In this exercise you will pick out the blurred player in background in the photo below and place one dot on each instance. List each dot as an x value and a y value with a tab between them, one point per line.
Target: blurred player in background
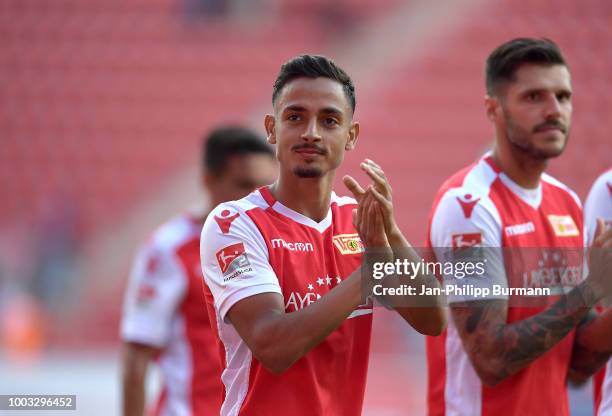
497	359
284	264
598	207
164	316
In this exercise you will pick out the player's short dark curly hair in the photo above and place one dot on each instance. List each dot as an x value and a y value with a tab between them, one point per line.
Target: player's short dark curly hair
226	142
313	66
504	61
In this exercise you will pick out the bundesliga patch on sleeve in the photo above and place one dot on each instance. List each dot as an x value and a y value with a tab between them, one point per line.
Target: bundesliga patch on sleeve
466	240
146	293
233	261
563	225
348	243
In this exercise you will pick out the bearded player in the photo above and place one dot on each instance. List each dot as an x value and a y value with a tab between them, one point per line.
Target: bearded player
498	356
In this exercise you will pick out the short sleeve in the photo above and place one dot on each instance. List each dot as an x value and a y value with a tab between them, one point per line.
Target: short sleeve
234	258
598	205
156	287
468	231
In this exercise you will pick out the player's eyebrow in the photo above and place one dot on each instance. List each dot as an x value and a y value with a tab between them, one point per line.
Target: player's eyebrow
301	109
567	91
296	108
561	90
332	110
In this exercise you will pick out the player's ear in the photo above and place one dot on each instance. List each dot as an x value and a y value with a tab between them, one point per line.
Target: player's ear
352	137
270	128
491	105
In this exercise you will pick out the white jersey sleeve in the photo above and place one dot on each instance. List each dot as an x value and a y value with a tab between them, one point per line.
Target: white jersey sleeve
598	204
458	224
156	287
235	259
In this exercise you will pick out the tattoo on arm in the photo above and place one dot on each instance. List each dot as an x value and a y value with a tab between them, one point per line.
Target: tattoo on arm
497	349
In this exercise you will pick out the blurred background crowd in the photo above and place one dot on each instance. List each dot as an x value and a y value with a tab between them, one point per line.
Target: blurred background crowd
104	105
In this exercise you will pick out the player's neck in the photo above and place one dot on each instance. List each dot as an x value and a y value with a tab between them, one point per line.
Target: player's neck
309	197
523	170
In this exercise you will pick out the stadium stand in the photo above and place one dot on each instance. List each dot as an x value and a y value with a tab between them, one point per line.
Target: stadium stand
102	99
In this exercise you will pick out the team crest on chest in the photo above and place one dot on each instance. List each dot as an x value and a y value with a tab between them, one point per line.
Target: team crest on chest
348	243
563	225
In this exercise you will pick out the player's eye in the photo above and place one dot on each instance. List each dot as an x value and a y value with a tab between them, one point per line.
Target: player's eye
330	121
293	117
564	96
534	96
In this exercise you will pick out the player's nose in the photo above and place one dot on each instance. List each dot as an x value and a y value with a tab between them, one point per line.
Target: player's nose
312	132
552	107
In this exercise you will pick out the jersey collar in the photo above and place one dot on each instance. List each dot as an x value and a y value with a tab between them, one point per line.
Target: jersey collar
532	197
294	215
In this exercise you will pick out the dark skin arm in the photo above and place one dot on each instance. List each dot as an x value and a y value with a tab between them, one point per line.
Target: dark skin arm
278	339
428	315
425	313
136	359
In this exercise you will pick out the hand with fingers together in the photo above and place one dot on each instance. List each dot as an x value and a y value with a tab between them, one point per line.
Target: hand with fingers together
380	193
600	262
368	219
376	225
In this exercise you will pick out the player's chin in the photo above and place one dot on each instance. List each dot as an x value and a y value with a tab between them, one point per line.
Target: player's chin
307	171
551	146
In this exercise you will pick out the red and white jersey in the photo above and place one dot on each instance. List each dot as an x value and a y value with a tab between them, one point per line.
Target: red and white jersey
164	307
482	206
599	205
258	245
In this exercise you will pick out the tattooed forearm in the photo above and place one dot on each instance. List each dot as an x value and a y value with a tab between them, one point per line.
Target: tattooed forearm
498	350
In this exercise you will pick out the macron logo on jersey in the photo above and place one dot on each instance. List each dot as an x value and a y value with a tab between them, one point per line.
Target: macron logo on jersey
467	203
152	265
279	242
225	220
519	229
